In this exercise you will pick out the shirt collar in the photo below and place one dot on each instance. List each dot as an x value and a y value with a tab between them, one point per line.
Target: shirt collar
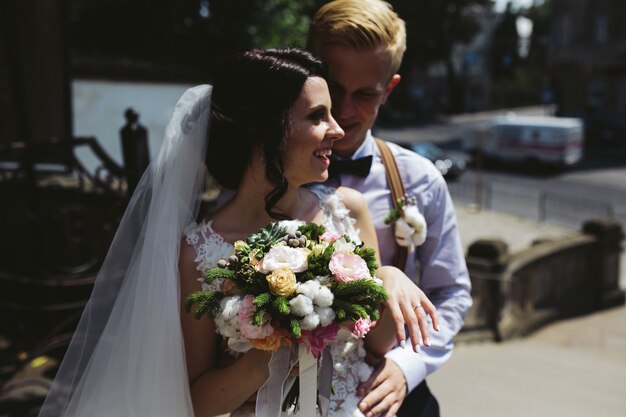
368	147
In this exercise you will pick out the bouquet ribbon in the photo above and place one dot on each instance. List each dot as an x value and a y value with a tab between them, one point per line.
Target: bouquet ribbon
270	396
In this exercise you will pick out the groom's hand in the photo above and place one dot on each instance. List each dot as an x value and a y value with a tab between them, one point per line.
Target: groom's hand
384	391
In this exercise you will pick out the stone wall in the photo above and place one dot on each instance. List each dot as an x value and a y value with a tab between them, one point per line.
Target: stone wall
516	293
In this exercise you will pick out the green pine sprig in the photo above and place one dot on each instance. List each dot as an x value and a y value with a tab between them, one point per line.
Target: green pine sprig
208	302
350	311
369	256
364	289
216	273
312	231
281	305
392	216
318	264
295	328
259	317
262	299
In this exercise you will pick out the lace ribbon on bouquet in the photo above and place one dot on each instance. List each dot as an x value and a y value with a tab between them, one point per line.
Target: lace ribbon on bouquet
314	390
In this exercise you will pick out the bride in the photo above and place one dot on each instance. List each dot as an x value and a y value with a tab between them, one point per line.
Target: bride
136	352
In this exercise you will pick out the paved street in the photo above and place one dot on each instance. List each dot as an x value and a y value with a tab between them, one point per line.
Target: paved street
572	368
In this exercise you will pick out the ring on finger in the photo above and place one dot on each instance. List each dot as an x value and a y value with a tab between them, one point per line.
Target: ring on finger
417	306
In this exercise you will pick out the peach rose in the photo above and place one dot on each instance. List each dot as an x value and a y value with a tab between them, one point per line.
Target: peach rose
273	342
282	281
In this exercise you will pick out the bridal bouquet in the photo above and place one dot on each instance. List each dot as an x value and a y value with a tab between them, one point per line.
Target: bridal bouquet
291	283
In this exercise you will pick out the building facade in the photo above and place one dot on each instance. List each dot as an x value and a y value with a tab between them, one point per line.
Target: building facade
588	64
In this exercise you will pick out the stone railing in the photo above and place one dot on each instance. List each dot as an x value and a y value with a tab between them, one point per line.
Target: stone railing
515	294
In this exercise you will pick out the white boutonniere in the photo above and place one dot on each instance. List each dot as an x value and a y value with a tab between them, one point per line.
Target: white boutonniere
409	224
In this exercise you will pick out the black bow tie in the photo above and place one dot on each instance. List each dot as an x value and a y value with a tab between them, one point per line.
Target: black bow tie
359	167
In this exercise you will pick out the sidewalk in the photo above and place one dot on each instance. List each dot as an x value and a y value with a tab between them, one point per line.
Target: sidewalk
572	368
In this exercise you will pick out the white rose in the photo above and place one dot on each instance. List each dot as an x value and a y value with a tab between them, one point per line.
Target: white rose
341	245
284	257
239	344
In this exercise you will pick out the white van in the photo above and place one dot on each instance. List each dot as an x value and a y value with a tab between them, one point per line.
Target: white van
546	139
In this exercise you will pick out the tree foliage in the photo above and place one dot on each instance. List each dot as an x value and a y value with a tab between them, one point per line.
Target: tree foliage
434	27
524	80
184	34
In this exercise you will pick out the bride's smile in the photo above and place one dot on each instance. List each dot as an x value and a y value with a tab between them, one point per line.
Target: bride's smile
311	136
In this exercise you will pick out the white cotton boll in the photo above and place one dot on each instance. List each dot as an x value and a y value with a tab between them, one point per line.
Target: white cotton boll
403	233
225	328
230	306
301	305
326	315
419	237
309	288
310	322
291	225
324	297
220	322
416	220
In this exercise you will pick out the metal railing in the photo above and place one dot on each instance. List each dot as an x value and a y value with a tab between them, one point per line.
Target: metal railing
539	205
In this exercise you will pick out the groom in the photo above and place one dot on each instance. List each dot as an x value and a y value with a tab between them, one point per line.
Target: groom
363	42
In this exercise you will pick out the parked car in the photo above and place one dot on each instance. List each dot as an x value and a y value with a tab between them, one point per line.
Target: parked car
451	166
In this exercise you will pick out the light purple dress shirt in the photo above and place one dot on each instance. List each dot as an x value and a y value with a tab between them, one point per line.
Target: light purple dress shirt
440	269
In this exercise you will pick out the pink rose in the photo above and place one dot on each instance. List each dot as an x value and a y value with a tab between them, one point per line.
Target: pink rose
330	237
315	340
348	267
361	327
245	317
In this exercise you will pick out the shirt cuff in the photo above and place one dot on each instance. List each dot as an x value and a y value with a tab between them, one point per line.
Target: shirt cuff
412	365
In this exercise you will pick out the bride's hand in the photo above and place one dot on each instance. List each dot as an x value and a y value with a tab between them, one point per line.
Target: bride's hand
408	305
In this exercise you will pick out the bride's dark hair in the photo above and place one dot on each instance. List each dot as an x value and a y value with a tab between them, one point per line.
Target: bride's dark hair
252	94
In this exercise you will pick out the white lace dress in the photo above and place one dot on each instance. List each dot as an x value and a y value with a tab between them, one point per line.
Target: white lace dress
348	353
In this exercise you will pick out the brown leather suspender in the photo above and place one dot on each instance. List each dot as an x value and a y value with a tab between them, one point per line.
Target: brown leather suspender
397	190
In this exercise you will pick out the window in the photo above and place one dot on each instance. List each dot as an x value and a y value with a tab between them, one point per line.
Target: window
601	29
563	31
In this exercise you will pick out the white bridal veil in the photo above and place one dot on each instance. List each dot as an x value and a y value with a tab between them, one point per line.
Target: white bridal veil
127	355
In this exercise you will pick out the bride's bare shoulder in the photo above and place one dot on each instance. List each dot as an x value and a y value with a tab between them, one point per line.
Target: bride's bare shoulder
352	199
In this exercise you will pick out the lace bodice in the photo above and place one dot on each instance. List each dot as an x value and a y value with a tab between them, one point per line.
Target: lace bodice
348	353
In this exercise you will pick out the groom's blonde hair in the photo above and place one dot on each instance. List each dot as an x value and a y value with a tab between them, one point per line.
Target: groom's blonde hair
360	25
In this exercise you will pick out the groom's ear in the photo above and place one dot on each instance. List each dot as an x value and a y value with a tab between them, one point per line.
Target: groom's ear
393	82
